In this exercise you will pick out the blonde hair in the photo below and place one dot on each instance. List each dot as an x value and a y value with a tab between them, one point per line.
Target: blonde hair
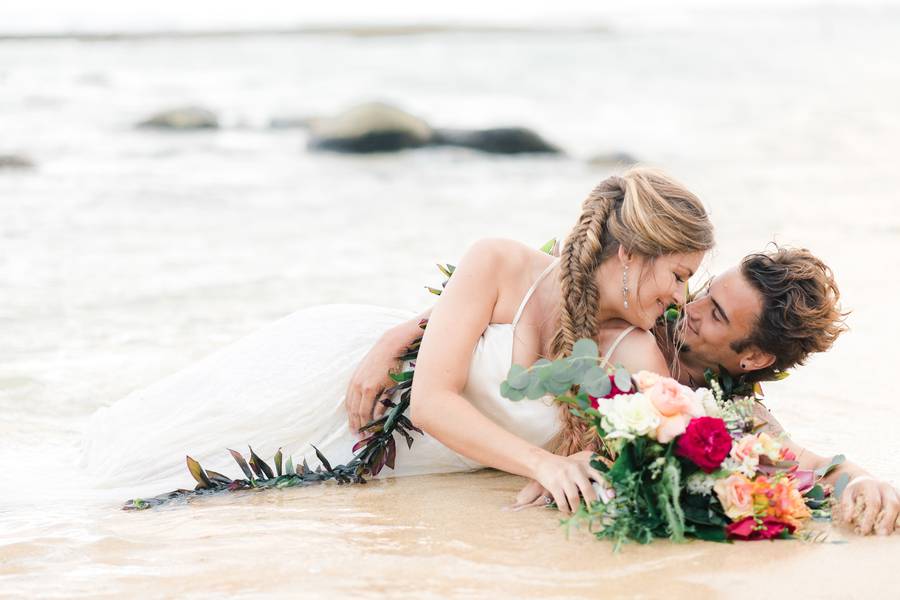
647	213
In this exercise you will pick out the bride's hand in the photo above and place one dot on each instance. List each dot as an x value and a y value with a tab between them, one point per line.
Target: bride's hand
533	494
563	477
369	380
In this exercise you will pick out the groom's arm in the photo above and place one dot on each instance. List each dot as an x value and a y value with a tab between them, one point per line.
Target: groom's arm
371	377
880	498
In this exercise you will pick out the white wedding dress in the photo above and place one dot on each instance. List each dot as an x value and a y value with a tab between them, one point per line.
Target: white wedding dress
283	386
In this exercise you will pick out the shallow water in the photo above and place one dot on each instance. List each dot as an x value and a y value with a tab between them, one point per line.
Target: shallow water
128	254
434	536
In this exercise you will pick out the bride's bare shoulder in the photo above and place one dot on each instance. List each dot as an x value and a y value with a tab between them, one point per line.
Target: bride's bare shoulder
639	351
510	256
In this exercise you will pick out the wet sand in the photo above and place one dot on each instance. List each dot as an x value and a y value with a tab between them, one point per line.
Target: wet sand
441	536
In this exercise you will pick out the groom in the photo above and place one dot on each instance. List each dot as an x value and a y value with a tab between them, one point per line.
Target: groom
759	318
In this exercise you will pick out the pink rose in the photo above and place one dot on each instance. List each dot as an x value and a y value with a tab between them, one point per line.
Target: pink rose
671	398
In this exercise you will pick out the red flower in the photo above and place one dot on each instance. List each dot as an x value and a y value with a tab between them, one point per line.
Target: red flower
706	442
613	392
750	529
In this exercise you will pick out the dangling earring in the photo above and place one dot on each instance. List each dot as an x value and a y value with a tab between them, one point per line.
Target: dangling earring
625	287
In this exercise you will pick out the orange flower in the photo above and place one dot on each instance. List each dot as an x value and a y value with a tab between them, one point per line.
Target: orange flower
779	498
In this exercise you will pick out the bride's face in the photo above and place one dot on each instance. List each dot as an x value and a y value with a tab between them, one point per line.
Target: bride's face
656	283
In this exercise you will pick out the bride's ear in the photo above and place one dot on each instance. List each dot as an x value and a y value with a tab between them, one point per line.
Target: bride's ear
624	255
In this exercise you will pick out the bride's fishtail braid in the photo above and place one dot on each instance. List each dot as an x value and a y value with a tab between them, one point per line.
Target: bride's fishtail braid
650	215
580	258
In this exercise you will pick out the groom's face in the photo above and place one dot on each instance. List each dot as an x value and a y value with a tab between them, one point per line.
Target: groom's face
725	313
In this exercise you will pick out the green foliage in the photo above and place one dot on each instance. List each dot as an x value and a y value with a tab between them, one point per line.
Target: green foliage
579	371
836	461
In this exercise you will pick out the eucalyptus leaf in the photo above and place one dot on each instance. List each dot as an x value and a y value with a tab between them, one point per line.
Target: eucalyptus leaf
839	485
623	379
557	388
585	348
518	377
543	369
836	461
535	389
596	382
563	371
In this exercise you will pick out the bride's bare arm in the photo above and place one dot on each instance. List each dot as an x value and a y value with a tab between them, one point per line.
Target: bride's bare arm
462	313
371	378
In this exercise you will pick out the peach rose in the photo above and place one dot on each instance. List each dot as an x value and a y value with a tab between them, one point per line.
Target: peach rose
671	427
645	380
671	398
735	492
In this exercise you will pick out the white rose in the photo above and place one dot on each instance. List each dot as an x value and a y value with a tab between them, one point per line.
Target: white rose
708	401
629	415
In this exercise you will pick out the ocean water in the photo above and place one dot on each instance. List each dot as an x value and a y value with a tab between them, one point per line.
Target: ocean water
127	254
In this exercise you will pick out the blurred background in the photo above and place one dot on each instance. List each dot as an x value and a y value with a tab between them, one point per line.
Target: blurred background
130	250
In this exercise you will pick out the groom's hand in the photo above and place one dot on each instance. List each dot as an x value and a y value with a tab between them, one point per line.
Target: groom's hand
871	505
368	382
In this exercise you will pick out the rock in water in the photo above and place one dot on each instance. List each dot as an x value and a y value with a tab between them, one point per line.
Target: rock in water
15	161
612	158
372	127
188	117
289	122
503	140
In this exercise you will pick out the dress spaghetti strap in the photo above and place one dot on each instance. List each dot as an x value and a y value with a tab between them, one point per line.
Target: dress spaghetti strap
530	291
612	348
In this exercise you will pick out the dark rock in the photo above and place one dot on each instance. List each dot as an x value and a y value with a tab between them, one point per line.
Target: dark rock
188	117
372	127
15	161
613	158
504	140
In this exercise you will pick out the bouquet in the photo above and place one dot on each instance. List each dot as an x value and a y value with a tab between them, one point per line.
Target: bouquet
677	462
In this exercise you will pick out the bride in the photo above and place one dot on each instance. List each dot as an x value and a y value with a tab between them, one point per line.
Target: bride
639	238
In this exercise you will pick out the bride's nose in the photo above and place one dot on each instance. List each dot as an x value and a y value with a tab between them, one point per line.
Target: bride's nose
679	296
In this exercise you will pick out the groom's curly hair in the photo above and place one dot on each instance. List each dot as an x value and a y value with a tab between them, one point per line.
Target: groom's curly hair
801	311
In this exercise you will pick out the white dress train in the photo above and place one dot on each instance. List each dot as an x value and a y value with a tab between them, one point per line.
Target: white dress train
283	386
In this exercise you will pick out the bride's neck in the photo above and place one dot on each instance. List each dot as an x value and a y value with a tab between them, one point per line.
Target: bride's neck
608	278
609	305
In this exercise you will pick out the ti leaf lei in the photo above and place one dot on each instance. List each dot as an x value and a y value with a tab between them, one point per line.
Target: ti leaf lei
371	454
